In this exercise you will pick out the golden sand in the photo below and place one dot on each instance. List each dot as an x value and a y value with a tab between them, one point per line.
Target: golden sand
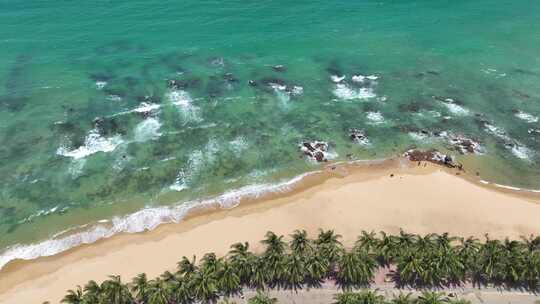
420	199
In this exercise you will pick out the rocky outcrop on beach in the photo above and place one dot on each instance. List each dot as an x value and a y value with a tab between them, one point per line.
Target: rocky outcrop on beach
460	143
464	145
432	156
315	150
358	136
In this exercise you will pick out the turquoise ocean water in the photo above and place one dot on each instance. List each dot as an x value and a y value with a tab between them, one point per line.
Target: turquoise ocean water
93	130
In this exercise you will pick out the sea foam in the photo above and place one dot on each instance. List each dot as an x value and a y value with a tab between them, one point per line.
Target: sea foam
147	129
342	91
526	117
143	220
93	143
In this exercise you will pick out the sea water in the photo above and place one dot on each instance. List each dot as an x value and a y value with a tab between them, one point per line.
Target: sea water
116	116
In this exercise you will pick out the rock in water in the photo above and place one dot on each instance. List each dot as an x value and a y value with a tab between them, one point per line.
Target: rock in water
279	68
358	136
315	150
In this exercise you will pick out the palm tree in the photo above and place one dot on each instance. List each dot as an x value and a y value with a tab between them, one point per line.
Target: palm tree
187	267
468	251
532	243
139	286
430	297
168	276
261	298
294	271
205	286
180	291
386	250
158	292
275	246
273	259
73	296
259	276
210	263
355	270
92	292
316	269
530	275
330	247
242	260
115	292
410	269
300	244
450	267
490	262
367	241
228	280
328	237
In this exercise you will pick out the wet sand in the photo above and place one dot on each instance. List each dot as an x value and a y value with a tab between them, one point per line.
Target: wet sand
382	196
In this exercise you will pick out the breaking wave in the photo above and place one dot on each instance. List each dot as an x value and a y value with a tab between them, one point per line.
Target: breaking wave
93	143
140	221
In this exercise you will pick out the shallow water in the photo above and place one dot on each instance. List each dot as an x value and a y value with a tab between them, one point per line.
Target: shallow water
465	68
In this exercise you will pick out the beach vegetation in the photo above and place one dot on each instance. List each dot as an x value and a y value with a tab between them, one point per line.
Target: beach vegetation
421	262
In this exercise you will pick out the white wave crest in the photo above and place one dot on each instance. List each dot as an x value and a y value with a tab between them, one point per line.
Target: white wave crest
375	117
362	78
337	79
518	150
144	107
521	152
143	220
342	91
93	143
526	117
183	102
100	84
147	129
454	108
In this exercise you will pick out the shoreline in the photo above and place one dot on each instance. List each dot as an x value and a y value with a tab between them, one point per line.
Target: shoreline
148	219
325	196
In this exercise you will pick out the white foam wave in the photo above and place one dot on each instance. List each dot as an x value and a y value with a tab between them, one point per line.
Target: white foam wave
183	102
196	161
342	91
454	108
113	97
509	187
418	136
239	145
337	79
42	212
518	150
93	143
521	152
147	129
497	131
76	167
144	107
375	117
100	84
362	78
526	117
143	220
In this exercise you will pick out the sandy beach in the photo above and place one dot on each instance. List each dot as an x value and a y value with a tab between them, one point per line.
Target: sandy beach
386	196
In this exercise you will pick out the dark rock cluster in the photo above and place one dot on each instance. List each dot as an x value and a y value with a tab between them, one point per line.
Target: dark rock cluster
315	150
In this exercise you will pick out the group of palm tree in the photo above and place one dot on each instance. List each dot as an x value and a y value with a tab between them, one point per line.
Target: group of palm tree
429	261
